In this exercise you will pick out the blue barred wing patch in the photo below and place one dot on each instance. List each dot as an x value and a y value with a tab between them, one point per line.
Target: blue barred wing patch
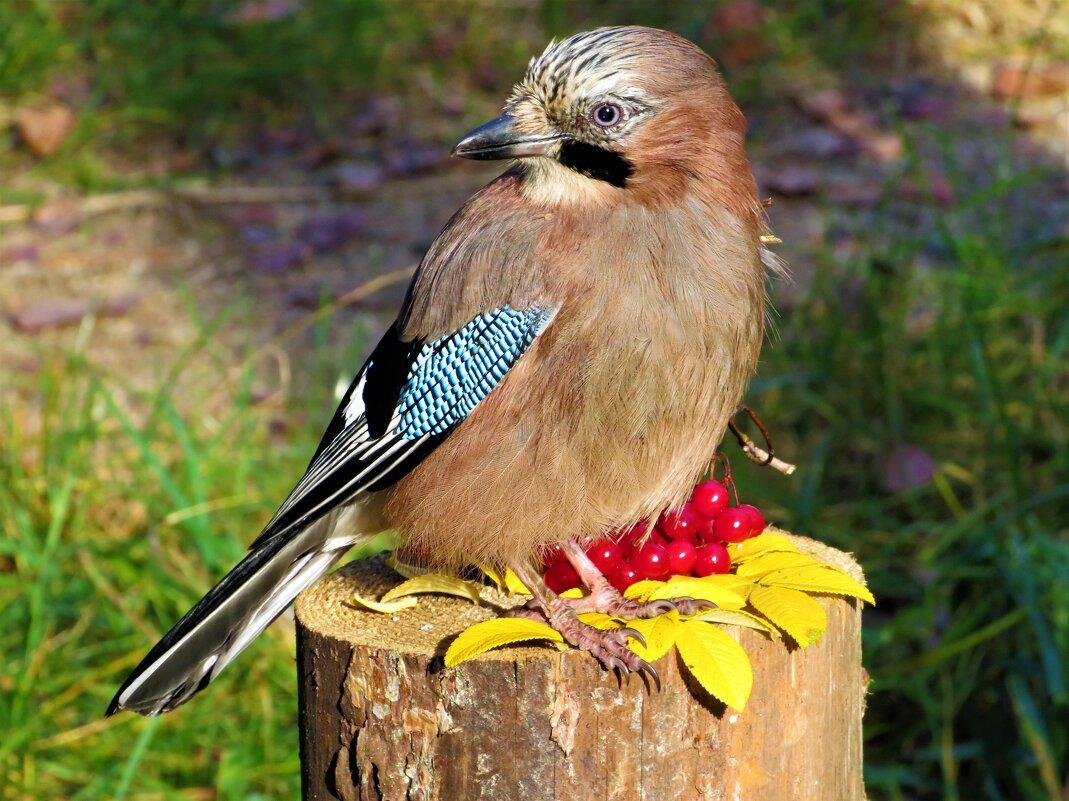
409	396
453	374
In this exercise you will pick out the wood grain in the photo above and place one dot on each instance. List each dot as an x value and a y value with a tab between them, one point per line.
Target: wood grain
383	720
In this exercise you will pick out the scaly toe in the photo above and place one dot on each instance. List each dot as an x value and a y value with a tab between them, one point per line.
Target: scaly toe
608	646
622	634
691	606
623	608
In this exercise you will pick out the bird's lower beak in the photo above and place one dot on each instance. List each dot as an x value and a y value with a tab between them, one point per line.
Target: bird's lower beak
499	139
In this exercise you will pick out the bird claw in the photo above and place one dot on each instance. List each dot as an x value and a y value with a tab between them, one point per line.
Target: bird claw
627	632
624	669
689	606
608	646
646	672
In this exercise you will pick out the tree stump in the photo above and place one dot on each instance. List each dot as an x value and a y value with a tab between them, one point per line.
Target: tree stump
382	719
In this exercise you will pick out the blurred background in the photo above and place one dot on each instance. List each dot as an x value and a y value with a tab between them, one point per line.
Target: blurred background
208	212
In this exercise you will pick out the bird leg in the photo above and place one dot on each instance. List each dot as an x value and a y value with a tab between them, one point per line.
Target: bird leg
608	646
606	598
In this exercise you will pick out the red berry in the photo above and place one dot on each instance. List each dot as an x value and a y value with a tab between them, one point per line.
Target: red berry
623	577
651	561
640	535
553	555
710	498
732	525
626	539
712	558
561	576
705	530
682	525
681	556
606	555
757	520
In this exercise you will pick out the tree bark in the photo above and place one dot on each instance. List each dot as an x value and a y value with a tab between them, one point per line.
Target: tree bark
383	720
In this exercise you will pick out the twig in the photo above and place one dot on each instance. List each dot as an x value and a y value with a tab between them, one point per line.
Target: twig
755	453
369	287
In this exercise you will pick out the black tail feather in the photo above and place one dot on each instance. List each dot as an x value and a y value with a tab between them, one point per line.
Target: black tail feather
228	618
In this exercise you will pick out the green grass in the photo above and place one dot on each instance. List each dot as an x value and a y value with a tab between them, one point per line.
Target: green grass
191	73
117	511
104	546
967	358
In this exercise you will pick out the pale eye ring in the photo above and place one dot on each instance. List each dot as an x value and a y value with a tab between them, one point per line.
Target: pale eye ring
607	115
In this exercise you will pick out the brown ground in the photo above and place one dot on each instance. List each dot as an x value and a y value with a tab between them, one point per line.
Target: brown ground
132	286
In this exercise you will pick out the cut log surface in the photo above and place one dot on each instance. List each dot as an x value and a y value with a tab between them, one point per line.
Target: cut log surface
382	719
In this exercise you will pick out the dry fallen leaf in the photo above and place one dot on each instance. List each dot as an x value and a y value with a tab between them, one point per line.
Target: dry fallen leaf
330	232
1012	80
357	178
45	127
33	317
793	180
275	257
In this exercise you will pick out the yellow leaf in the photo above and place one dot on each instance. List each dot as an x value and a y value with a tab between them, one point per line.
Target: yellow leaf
640	589
821	579
718	662
574	592
489	634
403	568
660	634
768	562
728	581
435	582
755	546
493	575
737	617
794	612
514	585
387	608
700	590
725	581
599	620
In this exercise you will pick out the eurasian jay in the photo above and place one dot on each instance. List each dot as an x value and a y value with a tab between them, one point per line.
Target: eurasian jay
565	362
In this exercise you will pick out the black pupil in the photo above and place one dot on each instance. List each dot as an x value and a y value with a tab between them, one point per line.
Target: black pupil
607	114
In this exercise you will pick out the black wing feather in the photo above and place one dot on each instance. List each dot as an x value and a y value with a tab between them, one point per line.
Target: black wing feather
407	399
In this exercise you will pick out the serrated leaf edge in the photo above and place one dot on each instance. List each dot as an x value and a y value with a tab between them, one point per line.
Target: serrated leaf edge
523	630
689	642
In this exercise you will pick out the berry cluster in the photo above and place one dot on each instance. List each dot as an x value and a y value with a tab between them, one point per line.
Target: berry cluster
688	542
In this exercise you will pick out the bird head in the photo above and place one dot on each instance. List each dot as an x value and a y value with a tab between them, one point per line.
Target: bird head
626	113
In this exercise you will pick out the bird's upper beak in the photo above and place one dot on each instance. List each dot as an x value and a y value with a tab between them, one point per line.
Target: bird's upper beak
499	139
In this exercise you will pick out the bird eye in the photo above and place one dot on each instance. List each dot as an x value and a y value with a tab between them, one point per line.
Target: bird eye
607	115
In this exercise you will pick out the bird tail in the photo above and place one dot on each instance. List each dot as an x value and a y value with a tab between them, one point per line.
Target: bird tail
231	616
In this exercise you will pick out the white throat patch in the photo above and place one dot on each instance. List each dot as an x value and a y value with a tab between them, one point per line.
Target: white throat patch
549	183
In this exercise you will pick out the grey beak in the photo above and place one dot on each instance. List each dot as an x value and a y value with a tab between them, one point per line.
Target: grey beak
498	139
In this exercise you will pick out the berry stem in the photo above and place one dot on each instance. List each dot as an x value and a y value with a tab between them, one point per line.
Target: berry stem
729	480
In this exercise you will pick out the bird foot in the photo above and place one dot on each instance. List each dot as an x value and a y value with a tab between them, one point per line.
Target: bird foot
608	646
605	598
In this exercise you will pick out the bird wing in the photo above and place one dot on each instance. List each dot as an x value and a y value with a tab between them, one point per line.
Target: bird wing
407	398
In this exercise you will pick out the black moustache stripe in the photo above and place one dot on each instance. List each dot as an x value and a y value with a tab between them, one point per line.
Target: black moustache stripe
595	162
